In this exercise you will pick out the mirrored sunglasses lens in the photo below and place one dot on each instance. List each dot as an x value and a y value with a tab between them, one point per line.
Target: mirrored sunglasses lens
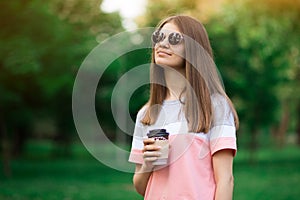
175	38
157	36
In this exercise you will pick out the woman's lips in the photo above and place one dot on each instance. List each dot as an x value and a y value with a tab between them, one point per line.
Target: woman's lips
163	53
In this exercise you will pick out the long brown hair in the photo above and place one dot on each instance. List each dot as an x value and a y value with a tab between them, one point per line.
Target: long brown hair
201	74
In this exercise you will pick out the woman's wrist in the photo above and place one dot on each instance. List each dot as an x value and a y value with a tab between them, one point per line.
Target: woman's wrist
146	168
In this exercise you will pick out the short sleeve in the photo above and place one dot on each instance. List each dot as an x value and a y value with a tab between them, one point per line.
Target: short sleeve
136	154
222	134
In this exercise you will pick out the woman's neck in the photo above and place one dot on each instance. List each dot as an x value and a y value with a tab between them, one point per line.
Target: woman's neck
175	82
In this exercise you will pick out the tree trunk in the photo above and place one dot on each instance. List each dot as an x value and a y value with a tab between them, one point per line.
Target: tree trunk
283	125
19	141
253	144
298	125
6	154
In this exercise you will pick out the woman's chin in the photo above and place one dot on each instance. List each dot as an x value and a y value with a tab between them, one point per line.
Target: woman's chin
164	63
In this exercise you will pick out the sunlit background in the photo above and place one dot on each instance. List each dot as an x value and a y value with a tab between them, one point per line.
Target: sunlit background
256	47
129	10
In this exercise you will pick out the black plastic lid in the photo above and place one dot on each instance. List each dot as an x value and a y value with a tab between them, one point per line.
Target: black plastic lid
157	133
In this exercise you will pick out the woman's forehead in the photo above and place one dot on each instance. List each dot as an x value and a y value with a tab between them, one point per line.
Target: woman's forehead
170	27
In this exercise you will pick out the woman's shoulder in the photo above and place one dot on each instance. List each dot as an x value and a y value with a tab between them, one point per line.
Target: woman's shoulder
141	113
219	100
222	113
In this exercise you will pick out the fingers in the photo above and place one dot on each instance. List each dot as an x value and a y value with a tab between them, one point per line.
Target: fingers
150	156
148	141
150	146
151	151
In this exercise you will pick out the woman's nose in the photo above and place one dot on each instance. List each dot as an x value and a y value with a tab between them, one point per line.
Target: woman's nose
164	42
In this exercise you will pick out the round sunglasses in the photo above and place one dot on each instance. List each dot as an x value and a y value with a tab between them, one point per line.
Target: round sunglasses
174	38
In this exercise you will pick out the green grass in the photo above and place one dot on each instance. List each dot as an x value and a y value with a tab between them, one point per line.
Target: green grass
66	179
40	175
274	176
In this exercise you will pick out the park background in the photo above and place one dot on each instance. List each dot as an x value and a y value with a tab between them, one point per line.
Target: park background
43	43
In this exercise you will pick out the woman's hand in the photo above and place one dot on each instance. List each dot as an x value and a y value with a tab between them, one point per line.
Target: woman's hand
150	153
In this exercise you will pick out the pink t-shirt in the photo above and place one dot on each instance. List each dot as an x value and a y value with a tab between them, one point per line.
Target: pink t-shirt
189	172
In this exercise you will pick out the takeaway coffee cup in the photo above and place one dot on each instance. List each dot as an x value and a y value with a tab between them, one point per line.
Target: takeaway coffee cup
161	137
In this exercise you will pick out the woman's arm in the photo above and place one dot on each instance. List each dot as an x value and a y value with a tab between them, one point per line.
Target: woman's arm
222	166
140	179
144	171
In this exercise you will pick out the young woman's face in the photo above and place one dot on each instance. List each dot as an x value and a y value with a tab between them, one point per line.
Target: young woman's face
167	54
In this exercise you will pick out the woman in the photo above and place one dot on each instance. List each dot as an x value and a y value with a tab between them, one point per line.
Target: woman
188	100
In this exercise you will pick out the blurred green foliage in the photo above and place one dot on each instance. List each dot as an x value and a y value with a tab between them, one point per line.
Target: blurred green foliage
43	43
257	49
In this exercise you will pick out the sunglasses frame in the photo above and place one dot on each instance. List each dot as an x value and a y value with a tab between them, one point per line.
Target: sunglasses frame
174	38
